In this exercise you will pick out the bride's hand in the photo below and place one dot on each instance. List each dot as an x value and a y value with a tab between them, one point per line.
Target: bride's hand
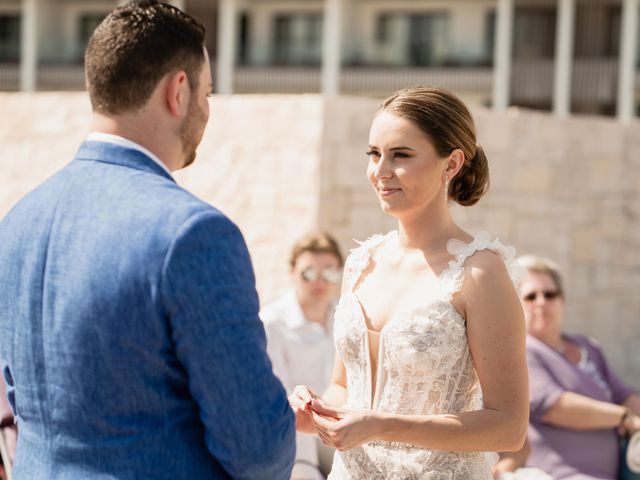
300	401
342	428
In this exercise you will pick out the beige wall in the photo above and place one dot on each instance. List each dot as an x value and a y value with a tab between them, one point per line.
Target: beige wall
280	165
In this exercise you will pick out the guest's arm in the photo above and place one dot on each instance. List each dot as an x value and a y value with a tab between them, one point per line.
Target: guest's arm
208	290
632	402
579	412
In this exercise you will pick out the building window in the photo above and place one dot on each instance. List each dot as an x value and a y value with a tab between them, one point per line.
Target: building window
490	36
87	24
298	39
428	39
534	32
383	27
9	38
243	39
597	32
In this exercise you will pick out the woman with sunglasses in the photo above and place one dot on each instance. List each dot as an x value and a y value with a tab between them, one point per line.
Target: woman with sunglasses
430	375
579	406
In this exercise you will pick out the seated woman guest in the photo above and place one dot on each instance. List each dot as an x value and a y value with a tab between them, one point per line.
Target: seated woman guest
579	406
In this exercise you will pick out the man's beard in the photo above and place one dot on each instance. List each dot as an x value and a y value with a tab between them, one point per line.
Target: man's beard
191	130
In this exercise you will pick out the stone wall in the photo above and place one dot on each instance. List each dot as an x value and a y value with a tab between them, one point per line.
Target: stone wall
281	165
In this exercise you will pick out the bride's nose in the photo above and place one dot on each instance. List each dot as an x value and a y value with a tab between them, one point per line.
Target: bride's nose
382	169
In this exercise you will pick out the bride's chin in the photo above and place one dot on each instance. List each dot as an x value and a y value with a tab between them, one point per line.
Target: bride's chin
387	208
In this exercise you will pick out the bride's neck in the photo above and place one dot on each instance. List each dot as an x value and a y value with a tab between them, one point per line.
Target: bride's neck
428	231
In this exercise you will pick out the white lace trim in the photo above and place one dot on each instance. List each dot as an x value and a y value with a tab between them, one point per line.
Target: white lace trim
359	256
452	278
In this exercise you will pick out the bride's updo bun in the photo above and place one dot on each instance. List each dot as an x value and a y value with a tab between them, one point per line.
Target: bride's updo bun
446	120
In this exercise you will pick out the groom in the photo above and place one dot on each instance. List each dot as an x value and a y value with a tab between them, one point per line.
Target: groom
128	313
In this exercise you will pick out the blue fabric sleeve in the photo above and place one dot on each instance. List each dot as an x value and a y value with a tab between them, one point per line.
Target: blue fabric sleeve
209	291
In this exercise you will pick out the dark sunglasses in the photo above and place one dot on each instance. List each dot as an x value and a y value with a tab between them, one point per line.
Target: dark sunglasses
547	294
329	274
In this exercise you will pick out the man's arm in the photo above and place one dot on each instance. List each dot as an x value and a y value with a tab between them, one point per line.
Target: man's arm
209	291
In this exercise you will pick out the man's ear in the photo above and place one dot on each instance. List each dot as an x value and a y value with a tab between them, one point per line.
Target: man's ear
177	93
455	161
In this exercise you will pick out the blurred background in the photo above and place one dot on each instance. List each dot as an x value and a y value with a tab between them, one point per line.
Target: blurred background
554	86
560	55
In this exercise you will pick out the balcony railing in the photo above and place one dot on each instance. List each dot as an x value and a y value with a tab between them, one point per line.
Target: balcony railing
50	77
377	81
594	81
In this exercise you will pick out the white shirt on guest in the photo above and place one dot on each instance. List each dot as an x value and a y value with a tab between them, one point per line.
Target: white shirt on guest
302	353
124	142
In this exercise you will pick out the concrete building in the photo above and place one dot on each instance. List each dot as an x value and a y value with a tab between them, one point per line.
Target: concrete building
568	56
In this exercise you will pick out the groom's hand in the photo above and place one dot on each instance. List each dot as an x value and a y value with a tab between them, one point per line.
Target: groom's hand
300	401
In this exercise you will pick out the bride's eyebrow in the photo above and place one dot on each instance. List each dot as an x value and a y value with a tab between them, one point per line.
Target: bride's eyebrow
402	148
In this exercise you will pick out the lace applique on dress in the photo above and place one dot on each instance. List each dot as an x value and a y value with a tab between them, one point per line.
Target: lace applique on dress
424	367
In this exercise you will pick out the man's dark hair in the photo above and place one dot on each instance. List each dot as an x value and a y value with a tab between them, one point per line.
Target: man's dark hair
134	47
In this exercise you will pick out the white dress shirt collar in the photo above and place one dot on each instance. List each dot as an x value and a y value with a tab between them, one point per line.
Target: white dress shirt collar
295	318
123	142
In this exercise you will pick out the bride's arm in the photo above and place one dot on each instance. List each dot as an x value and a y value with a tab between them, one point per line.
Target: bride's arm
336	393
495	329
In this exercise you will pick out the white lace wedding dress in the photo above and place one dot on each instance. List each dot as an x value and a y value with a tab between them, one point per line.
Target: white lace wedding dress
424	367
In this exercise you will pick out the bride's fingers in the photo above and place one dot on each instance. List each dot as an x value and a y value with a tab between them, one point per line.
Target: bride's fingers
325	439
322	422
325	410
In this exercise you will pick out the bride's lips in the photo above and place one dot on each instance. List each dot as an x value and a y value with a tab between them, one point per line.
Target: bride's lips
386	192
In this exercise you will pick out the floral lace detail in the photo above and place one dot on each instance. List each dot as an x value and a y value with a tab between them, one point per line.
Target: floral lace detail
425	367
451	279
358	258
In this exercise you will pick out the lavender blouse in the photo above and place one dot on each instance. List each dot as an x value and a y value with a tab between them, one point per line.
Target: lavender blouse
569	454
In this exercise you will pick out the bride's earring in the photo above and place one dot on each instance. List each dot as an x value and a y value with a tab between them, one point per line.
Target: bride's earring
446	188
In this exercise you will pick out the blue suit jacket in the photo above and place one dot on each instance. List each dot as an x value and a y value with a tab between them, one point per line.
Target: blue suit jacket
129	327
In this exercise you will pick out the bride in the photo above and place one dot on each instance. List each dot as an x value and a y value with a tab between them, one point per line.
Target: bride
430	371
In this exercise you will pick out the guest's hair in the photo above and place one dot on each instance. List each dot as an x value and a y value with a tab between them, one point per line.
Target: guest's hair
534	263
448	124
315	242
134	47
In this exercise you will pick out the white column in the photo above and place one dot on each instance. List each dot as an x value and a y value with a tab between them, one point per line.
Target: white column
225	61
331	40
29	46
502	54
628	47
564	57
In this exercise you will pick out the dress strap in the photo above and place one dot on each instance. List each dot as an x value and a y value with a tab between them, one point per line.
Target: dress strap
452	278
360	256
